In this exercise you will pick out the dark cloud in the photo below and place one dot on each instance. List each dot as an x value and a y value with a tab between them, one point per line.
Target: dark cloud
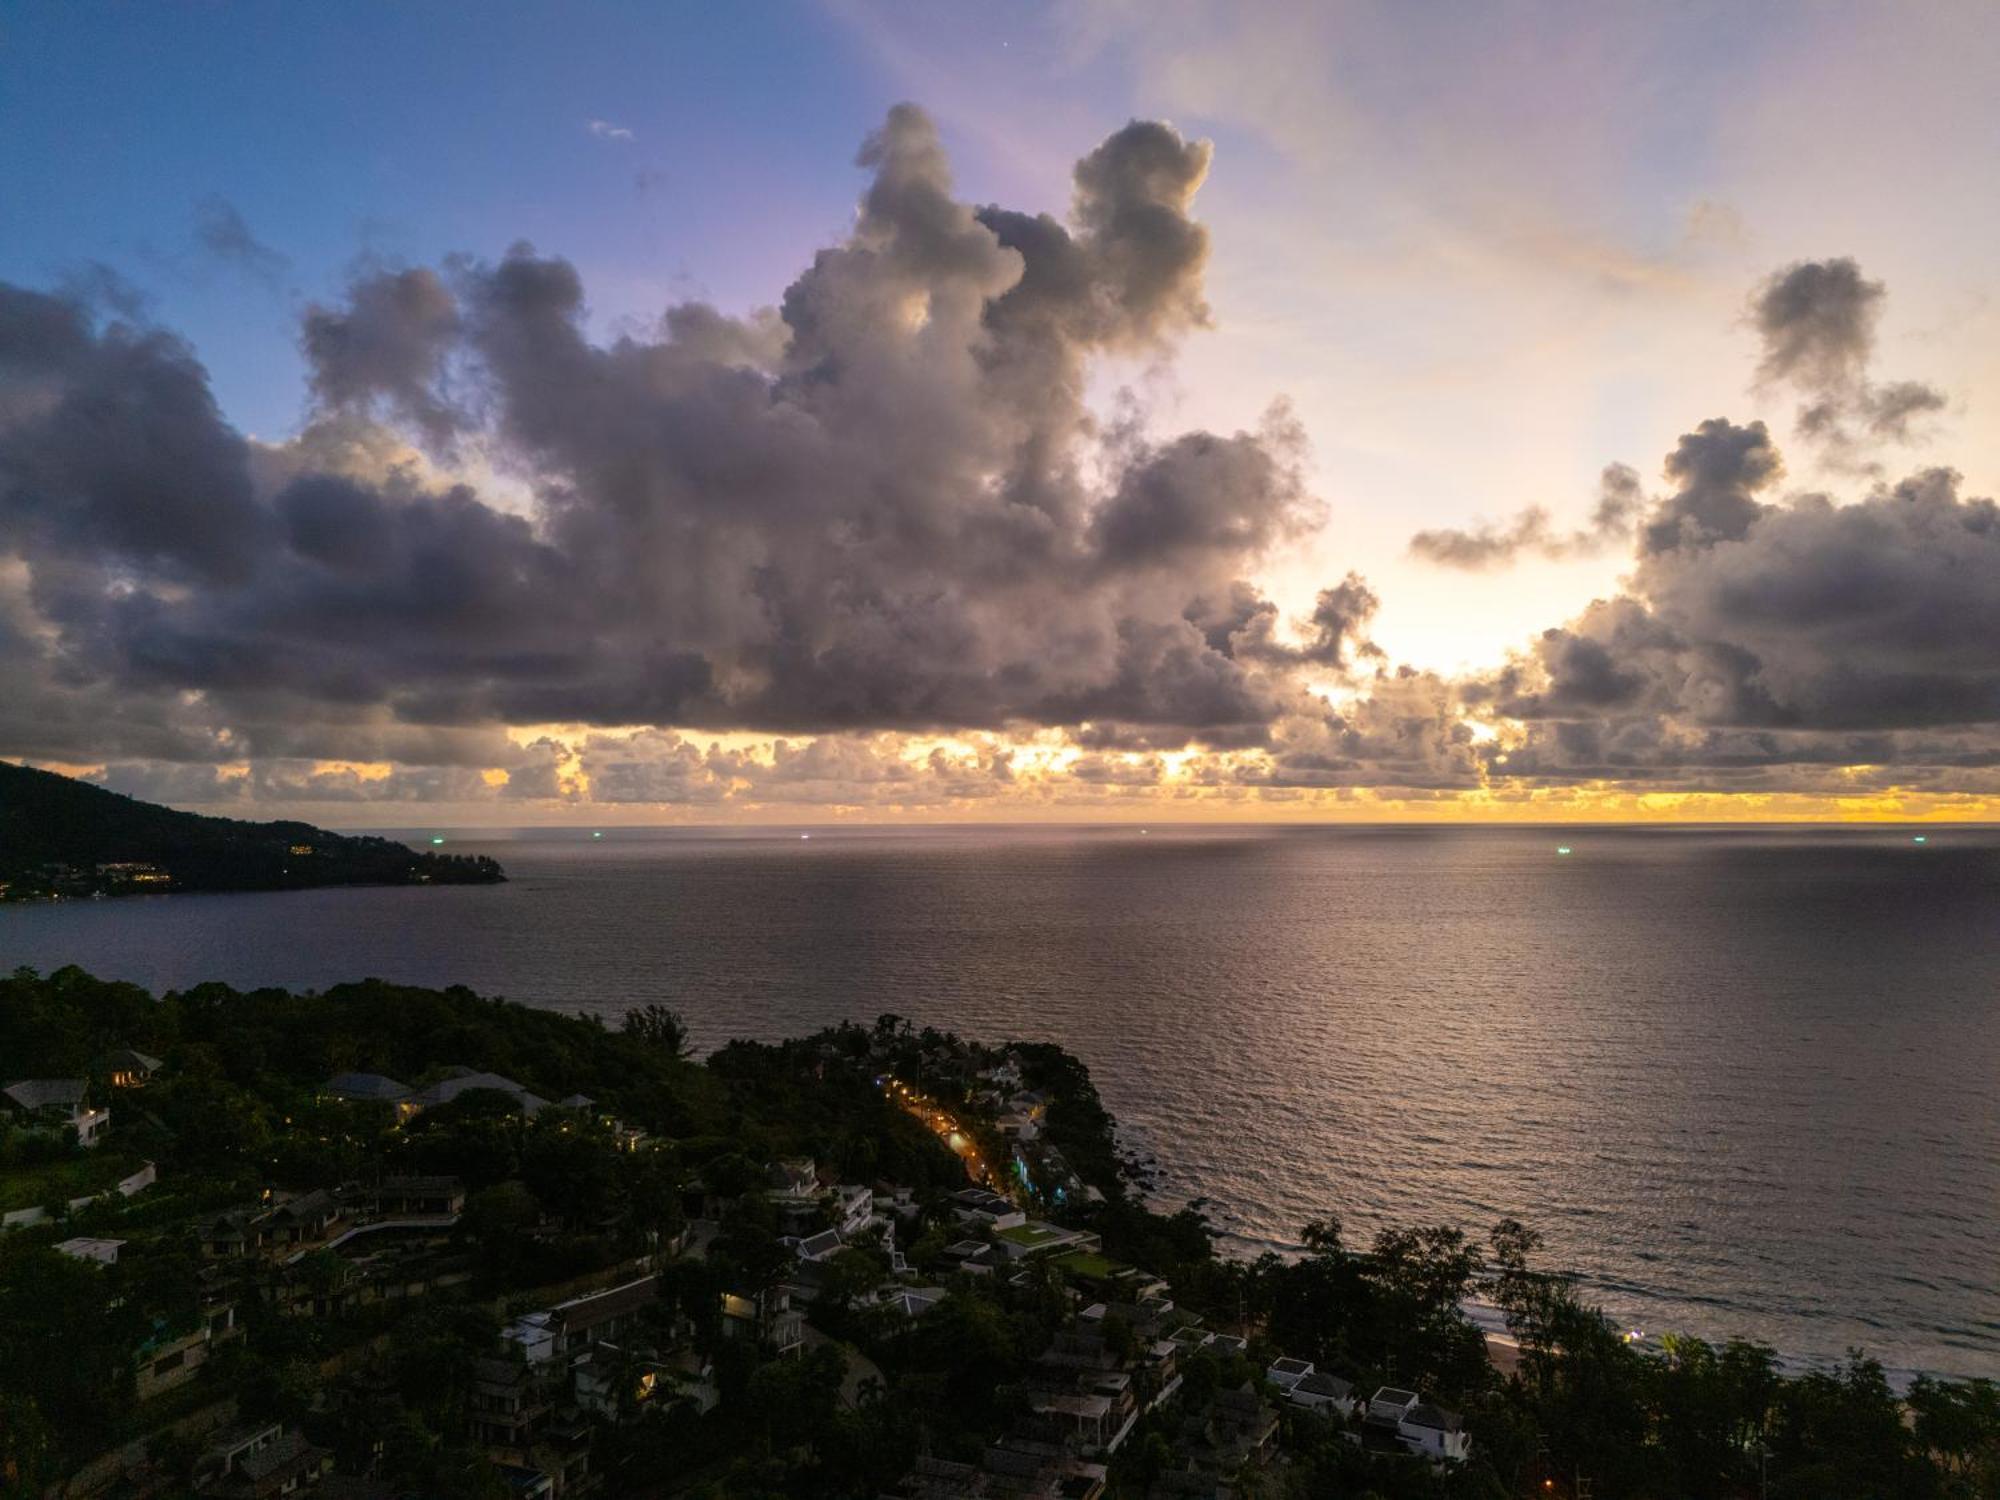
886	511
1718	470
1532	532
1809	633
221	231
389	344
1817	321
884	506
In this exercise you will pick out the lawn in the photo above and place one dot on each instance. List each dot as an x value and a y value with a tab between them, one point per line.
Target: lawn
88	1173
1089	1263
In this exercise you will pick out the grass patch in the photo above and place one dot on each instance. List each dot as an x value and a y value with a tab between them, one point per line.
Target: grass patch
87	1174
1089	1263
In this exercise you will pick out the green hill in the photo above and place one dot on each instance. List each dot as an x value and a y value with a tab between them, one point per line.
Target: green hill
60	836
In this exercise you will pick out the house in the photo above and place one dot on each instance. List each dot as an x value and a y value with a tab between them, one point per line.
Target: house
820	1247
767	1317
462	1080
165	1360
1388	1406
509	1403
853	1207
694	1381
584	1321
286	1466
57	1104
607	1376
1435	1433
372	1088
128	1069
231	1445
230	1235
974	1257
793	1192
914	1301
104	1252
978	1206
260	1461
423	1197
573	1326
304	1220
1286	1373
1038	1237
1322	1392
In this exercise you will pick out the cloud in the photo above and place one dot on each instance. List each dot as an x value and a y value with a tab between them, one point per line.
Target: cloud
1532	532
1805	633
885	506
873	548
604	130
1817	321
222	232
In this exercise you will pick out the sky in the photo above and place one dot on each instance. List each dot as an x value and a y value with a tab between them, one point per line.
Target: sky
625	413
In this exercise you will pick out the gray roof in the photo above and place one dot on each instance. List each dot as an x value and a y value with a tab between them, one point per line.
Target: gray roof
367	1086
288	1451
38	1093
1423	1414
447	1089
126	1057
1323	1384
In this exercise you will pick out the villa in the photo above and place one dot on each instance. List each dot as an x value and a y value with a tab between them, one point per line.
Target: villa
57	1104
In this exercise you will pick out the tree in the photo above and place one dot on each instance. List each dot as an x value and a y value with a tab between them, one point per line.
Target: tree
658	1027
1957	1424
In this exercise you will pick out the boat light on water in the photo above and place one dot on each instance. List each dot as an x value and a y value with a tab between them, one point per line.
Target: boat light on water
1562	848
1918	839
437	840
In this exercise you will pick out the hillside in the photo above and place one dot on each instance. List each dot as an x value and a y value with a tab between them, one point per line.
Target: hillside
60	836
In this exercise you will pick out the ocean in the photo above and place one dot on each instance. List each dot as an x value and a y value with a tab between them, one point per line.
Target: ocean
1743	1080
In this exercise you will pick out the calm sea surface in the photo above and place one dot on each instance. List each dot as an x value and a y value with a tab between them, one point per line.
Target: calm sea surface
1745	1081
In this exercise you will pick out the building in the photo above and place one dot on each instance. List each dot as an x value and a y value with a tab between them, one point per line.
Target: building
57	1104
1286	1373
128	1069
461	1080
1435	1433
260	1461
371	1088
419	1197
1420	1426
104	1252
571	1327
767	1317
1322	1392
509	1403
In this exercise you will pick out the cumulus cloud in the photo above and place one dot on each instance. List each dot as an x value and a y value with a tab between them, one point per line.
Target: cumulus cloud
604	130
1755	636
884	506
872	548
1533	531
1817	320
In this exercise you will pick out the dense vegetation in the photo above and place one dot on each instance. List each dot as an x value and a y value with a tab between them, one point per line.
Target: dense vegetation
238	1108
58	835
